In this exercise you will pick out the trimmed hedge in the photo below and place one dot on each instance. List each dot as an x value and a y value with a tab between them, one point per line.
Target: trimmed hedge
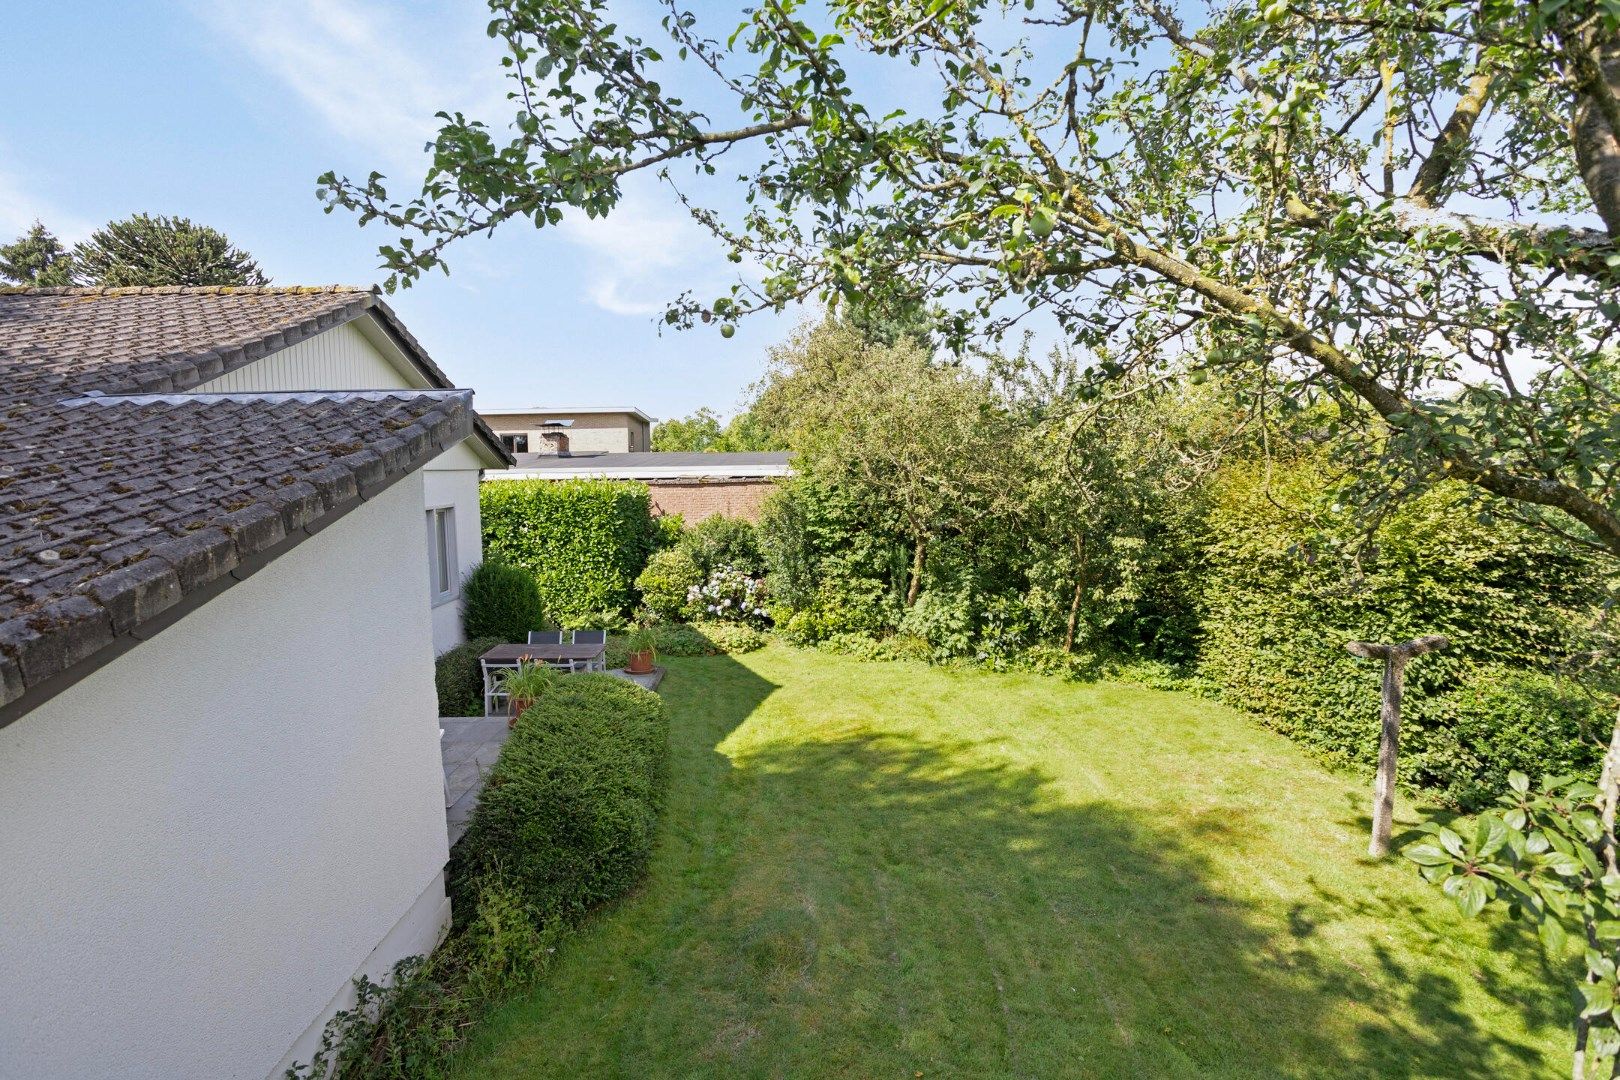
500	600
1285	589
459	679
568	815
583	540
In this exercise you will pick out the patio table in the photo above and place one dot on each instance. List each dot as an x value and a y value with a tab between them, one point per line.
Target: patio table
586	657
546	654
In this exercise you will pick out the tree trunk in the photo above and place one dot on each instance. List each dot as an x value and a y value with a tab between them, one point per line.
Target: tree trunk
915	586
1597	149
1395	658
1079	590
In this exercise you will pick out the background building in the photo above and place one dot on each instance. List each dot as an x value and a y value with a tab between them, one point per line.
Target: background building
573	429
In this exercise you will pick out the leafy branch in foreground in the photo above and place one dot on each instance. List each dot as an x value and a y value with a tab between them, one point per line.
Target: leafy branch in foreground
1549	856
1408	208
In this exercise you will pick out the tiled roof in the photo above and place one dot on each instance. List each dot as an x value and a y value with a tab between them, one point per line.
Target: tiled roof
125	502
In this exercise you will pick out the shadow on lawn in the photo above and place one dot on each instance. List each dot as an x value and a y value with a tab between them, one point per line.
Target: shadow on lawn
834	902
1083	933
1089	934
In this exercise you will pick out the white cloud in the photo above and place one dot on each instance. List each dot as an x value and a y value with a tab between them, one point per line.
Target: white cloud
646	253
375	76
642	255
370	78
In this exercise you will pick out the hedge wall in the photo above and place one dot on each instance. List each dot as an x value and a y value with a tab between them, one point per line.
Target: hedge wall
1286	584
568	816
583	540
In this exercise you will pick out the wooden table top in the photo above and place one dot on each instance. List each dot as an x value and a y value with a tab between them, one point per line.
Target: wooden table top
511	654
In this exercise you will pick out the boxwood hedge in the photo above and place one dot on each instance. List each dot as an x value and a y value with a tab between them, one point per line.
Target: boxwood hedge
583	540
459	679
568	814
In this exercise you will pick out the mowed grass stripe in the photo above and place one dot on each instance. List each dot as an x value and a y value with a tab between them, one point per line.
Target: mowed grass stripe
876	870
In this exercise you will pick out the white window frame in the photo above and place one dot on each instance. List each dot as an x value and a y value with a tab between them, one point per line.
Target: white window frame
441	548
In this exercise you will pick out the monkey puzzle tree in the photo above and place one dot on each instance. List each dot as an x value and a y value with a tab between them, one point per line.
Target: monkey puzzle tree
36	258
148	250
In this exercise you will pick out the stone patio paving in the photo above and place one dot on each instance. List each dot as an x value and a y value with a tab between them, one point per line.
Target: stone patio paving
472	743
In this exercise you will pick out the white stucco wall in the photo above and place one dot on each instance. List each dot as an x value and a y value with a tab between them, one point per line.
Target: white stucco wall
451	479
203	841
359	356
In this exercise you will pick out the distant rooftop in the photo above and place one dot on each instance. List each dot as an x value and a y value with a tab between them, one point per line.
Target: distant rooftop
565	410
653	465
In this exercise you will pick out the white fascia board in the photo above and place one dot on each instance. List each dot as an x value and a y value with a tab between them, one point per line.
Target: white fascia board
659	472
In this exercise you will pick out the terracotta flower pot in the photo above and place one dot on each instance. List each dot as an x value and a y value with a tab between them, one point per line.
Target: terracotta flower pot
515	707
639	663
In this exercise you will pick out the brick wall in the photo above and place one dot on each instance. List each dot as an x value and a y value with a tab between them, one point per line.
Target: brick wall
695	500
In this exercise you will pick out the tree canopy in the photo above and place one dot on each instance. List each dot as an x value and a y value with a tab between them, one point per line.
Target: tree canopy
703	431
1409	207
158	250
36	258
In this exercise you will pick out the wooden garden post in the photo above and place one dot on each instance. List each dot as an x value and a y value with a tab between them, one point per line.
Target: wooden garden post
1389	735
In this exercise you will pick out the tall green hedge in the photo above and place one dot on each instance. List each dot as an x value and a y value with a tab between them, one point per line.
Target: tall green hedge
1287	582
569	813
583	540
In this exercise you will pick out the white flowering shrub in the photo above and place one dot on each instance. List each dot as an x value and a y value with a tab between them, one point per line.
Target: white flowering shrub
731	595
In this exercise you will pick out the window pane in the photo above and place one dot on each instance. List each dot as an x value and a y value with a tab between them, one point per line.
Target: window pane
442	519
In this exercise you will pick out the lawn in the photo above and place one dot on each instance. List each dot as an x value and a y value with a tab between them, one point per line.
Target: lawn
890	870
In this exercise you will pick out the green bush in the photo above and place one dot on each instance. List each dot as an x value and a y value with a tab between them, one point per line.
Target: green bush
706	639
841	605
1501	721
866	647
583	540
612	620
567	817
666	582
460	680
408	1028
729	637
500	600
1284	589
944	619
723	541
667	531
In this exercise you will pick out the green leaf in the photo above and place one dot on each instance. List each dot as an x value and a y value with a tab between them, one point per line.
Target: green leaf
1599	998
1552	935
1491	836
1470	892
1428	855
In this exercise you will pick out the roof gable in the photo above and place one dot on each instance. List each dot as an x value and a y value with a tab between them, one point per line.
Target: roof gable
125	501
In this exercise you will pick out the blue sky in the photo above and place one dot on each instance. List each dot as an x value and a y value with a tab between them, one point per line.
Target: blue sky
226	111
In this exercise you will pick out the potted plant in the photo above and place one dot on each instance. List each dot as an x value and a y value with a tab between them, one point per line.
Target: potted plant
523	686
640	646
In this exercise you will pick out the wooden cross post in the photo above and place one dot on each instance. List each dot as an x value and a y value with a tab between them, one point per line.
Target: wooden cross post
1389	735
